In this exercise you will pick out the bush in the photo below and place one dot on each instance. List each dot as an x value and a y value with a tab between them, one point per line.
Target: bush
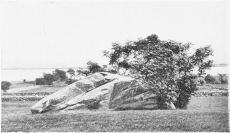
59	75
93	67
223	78
49	78
210	79
83	72
94	105
70	81
71	72
217	82
5	85
40	81
200	81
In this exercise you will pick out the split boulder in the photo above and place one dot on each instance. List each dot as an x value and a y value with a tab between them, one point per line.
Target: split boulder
101	90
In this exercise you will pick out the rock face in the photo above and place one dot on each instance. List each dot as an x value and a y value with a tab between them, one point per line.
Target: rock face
53	101
99	91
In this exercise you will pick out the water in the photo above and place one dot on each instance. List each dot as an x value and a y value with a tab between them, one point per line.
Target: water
28	74
32	74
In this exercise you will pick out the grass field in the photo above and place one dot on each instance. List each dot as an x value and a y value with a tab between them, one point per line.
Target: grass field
203	114
52	88
215	86
19	84
43	89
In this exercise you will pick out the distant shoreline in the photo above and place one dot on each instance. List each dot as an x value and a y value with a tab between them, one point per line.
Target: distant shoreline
30	74
22	68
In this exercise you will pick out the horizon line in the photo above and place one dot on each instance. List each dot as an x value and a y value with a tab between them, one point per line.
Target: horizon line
18	68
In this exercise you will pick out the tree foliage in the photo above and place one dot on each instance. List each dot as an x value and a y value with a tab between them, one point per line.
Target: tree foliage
49	78
164	65
201	80
5	85
70	81
210	79
223	78
40	81
83	72
59	75
93	67
71	72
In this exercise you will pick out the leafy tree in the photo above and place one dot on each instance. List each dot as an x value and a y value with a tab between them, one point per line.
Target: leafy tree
5	85
59	75
71	72
83	72
210	79
40	81
93	67
49	78
164	65
223	78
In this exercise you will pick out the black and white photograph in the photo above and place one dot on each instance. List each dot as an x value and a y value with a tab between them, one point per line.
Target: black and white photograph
115	66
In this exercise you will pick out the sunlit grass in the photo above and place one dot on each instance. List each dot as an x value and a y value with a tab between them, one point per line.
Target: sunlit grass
203	114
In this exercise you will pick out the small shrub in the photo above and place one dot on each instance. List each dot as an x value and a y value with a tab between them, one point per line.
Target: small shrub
59	75
217	82
223	78
94	105
201	81
70	81
210	79
83	72
93	67
40	81
71	72
49	78
5	85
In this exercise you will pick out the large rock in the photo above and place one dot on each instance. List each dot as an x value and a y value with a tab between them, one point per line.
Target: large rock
81	87
97	98
132	95
101	91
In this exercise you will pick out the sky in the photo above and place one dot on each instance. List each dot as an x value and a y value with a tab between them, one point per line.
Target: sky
70	33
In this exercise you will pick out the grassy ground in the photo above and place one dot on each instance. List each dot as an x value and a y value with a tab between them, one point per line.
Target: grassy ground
213	87
52	88
43	89
19	84
203	114
225	86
